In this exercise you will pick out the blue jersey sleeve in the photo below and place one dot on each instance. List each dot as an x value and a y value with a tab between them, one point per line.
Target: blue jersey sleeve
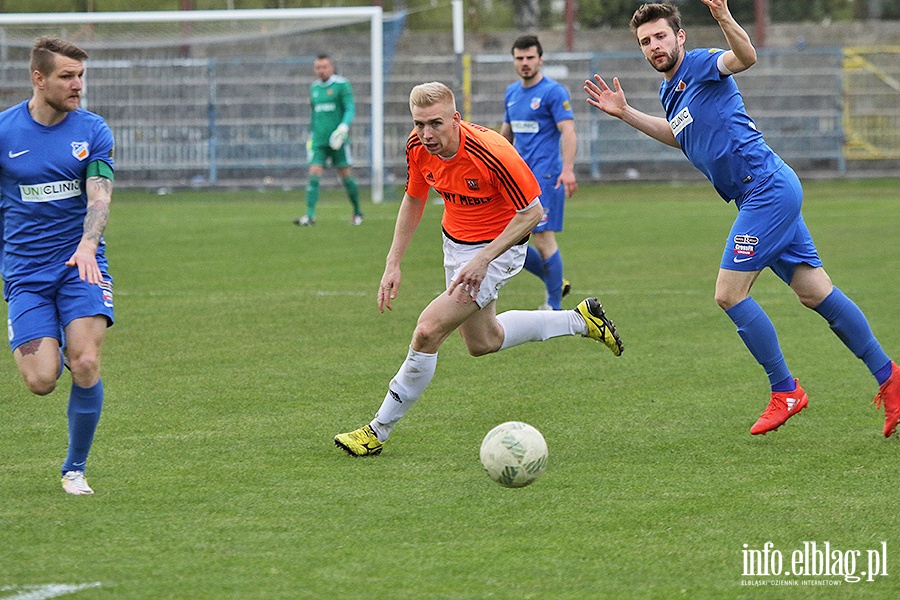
103	146
706	64
560	104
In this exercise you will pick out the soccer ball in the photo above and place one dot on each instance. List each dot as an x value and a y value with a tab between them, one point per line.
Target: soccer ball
514	454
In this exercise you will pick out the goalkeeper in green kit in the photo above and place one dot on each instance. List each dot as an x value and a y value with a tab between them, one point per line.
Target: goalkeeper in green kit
331	100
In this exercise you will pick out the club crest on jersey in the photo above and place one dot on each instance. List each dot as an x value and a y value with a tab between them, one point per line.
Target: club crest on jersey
535	103
472	183
681	86
80	150
745	245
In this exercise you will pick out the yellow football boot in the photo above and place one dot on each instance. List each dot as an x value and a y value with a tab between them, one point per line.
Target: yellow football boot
361	442
599	326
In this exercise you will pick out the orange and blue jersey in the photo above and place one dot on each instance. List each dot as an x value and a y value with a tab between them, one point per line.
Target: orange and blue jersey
483	186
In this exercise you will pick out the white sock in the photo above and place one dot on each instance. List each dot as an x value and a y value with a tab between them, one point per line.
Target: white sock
520	326
407	385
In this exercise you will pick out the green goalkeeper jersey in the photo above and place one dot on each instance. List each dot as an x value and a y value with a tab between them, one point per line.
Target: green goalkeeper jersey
332	104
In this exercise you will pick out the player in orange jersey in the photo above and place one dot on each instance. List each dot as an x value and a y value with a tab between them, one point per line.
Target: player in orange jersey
491	203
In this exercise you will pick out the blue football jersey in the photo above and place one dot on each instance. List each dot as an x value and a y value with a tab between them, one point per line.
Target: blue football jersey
533	114
43	198
706	112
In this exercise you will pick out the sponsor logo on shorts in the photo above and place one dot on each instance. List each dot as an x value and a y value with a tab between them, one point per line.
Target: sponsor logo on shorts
106	292
50	191
745	247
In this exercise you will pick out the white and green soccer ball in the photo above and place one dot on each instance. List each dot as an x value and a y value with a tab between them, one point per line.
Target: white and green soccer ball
514	454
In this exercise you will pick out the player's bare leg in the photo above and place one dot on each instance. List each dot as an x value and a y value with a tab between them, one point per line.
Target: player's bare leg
38	362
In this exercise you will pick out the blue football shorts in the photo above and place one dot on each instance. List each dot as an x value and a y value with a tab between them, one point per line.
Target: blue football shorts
553	202
769	230
43	303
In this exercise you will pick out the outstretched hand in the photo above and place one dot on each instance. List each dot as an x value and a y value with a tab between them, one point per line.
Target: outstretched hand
610	101
718	8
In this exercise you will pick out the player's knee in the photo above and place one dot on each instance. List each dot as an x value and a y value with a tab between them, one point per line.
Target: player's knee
84	367
39	384
725	300
810	300
814	294
427	337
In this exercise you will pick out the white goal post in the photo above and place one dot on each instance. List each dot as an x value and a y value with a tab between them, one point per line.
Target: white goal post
374	14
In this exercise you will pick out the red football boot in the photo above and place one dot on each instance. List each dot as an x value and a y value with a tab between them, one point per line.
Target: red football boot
785	405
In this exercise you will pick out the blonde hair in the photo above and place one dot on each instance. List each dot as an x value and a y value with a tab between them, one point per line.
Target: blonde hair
431	93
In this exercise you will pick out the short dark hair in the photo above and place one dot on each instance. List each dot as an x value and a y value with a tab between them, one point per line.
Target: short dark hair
45	49
524	42
324	56
647	13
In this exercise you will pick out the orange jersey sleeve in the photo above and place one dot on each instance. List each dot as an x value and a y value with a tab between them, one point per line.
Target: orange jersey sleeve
482	186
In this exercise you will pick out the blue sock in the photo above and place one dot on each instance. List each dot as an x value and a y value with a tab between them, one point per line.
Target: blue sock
533	262
553	279
84	414
758	333
785	385
884	373
850	325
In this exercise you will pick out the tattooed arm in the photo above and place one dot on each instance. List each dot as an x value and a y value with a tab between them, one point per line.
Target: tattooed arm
99	193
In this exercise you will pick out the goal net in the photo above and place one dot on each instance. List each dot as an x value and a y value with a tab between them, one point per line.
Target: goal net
220	98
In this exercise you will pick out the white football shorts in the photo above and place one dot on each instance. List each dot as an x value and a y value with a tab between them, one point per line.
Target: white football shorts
500	270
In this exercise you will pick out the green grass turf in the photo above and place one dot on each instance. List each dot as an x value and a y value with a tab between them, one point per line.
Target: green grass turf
243	344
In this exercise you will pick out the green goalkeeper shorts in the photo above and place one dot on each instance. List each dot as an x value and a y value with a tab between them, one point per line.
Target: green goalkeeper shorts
324	155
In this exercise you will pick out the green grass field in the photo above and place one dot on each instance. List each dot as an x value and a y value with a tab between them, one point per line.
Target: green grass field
243	344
